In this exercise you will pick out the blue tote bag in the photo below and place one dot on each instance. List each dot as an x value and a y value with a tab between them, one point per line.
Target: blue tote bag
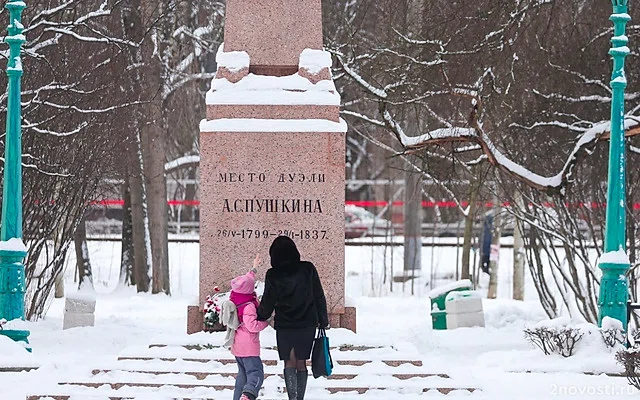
321	362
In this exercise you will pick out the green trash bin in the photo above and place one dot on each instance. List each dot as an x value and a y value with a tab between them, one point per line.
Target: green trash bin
438	318
438	297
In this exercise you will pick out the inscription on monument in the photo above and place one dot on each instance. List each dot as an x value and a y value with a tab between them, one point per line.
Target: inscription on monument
251	177
305	234
306	206
272	205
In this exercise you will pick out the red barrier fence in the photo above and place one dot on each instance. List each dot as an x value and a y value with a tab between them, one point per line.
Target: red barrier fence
375	203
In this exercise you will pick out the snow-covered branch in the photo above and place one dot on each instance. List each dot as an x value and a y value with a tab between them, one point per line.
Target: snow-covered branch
551	184
182	162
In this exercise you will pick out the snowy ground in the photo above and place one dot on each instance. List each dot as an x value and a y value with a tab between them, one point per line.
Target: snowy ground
496	358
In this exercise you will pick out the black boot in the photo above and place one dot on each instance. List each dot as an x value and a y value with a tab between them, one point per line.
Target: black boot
291	382
302	383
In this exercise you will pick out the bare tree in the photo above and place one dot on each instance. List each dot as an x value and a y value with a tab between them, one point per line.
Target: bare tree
67	109
501	84
83	262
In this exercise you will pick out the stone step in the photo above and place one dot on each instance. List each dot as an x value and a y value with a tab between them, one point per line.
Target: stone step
201	371
268	362
219	387
17	369
215	347
365	355
200	375
272	379
92	394
213	367
198	350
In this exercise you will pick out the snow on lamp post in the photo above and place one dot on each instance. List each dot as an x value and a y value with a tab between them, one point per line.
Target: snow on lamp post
614	262
12	249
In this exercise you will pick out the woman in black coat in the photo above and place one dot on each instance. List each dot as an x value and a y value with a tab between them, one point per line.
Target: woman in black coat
293	290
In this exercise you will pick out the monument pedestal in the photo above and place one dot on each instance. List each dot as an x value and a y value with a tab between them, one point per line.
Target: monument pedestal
272	151
256	186
345	320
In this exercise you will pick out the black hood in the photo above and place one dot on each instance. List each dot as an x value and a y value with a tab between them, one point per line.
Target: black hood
284	253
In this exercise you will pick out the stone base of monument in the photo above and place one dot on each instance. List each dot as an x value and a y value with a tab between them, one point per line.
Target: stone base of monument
196	367
347	320
79	311
195	320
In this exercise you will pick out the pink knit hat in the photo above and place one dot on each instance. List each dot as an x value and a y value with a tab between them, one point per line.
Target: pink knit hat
244	284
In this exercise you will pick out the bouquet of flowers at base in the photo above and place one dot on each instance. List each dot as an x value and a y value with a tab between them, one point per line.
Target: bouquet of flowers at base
212	308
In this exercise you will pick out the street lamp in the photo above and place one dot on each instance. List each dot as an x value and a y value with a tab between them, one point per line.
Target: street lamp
12	250
614	286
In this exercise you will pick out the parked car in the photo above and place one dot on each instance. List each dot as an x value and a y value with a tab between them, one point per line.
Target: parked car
358	222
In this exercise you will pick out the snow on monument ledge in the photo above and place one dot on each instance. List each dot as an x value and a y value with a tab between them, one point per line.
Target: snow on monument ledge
315	61
234	61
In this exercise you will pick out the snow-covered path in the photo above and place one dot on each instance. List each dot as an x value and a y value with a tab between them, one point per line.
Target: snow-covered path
496	359
472	356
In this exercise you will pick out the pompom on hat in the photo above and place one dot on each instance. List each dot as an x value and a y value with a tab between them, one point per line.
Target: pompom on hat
244	284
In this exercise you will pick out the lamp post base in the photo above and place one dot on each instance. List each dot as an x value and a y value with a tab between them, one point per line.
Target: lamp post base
18	336
614	292
12	284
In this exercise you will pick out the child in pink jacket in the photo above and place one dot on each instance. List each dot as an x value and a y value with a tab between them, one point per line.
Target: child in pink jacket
246	345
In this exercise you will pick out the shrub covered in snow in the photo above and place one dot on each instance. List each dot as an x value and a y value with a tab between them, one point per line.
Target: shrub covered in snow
634	337
558	336
612	332
554	340
630	360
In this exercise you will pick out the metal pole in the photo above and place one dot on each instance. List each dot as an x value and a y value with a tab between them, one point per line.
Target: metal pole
614	291
12	250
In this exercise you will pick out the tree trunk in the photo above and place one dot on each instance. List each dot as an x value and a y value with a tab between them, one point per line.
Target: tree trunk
132	24
519	255
412	222
83	263
140	227
189	211
59	288
469	219
495	254
153	143
127	276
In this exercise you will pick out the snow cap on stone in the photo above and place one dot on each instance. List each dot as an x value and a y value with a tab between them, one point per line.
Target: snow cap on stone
234	61
315	61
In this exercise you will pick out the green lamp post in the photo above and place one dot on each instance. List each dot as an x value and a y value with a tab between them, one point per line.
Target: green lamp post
614	286
12	250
